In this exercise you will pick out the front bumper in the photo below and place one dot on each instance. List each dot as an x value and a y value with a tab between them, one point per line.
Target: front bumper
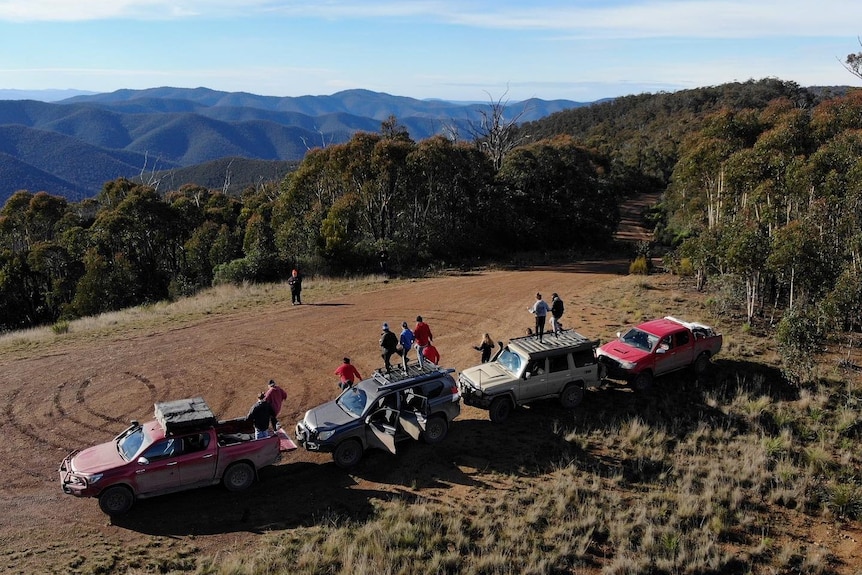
472	396
72	483
308	439
614	370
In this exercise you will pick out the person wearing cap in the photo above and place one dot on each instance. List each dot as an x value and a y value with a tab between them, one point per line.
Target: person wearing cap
556	313
388	346
405	342
347	374
275	396
295	283
423	336
261	416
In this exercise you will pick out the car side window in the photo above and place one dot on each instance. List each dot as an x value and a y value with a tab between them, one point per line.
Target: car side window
584	357
536	367
196	442
682	338
163	449
558	363
431	389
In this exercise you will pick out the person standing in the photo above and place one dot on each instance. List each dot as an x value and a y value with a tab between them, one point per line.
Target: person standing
295	283
540	310
261	416
423	337
275	396
431	354
405	340
347	374
557	309
486	347
388	346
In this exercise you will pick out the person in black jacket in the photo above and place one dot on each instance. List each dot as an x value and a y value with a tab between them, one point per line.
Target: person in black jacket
388	346
556	313
261	416
295	283
486	347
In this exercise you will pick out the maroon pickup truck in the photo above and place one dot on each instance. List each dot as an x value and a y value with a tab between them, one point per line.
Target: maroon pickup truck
657	347
186	447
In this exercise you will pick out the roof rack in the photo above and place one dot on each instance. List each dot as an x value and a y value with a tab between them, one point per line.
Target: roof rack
414	373
550	342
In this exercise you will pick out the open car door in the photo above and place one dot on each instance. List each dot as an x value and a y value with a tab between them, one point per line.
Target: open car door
412	416
381	426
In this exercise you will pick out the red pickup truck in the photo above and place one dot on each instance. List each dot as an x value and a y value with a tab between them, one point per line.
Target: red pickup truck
186	447
657	347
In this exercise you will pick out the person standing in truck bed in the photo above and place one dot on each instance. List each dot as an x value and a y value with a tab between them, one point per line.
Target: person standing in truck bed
261	416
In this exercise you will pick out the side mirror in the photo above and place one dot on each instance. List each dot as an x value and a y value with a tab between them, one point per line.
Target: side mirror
527	375
619	334
143	461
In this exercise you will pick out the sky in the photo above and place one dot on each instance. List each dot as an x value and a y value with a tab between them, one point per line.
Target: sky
460	50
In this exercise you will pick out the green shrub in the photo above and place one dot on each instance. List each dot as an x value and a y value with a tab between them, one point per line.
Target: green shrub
60	327
639	267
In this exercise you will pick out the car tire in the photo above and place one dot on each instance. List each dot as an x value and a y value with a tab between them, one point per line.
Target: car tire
701	364
500	409
572	396
116	500
436	429
642	382
347	453
238	477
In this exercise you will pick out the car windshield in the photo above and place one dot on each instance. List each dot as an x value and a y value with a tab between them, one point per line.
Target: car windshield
353	401
510	361
130	443
640	339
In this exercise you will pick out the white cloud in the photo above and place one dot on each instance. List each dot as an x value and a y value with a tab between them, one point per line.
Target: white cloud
612	18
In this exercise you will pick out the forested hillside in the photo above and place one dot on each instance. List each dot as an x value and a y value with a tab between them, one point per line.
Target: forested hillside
762	205
72	147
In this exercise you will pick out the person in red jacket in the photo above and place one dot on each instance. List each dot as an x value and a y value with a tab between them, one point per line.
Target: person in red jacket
347	374
431	354
275	396
423	338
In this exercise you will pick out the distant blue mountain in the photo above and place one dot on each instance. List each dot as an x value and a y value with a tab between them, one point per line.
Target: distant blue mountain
127	132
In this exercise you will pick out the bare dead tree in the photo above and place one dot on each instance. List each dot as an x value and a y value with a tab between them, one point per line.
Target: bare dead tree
495	134
226	186
853	62
323	142
151	179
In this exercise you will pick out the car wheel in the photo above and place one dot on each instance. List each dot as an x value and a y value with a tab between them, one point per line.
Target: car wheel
436	429
572	395
348	453
500	409
116	500
643	381
701	364
238	477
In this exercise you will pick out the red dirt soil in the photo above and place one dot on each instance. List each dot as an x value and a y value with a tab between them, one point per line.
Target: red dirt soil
84	393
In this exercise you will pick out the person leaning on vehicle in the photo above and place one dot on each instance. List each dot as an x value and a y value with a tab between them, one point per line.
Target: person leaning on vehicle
347	374
261	416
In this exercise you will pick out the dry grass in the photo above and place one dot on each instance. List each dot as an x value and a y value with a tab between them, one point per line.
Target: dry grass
210	302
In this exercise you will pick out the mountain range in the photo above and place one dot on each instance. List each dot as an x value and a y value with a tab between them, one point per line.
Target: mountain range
72	146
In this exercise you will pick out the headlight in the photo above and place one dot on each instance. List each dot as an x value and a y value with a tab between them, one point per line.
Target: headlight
324	435
627	365
91	479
